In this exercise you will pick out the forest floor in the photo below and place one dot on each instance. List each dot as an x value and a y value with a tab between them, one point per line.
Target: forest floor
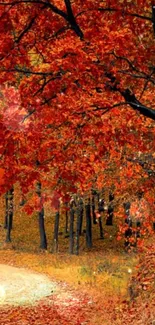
71	302
90	289
80	296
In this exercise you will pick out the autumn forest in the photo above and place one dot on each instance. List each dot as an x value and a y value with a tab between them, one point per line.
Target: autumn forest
77	158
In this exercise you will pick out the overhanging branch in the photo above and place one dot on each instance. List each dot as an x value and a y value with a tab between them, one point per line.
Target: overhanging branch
69	16
137	105
27	28
72	19
130	98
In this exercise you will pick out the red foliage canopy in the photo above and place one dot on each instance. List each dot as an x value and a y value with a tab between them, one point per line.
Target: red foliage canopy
78	91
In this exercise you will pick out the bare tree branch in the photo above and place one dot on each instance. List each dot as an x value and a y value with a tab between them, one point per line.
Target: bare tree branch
110	9
69	16
72	19
137	105
45	3
130	98
17	40
29	72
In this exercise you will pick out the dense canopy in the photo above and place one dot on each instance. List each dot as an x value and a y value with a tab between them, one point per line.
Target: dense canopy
77	92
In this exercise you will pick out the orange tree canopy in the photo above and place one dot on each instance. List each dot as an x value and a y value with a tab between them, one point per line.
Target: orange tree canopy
1	176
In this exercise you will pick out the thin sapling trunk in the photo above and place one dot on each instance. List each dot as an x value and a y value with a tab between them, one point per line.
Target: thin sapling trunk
41	219
9	214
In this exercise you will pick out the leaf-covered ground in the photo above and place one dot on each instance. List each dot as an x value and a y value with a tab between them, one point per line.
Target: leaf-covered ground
102	286
89	293
83	303
64	306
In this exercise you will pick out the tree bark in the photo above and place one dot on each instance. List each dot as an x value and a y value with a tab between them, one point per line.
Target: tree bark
42	232
71	232
88	225
66	219
100	209
101	229
93	209
72	19
130	98
80	221
9	215
78	224
80	209
109	220
56	232
6	211
43	239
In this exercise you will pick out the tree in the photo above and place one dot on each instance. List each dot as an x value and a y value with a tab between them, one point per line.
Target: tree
9	214
56	205
43	240
81	72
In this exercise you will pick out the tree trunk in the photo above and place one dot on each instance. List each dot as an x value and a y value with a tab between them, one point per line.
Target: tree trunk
6	211
109	220
43	240
66	219
56	232
88	225
101	229
9	215
93	209
71	232
80	214
100	209
22	202
78	224
80	221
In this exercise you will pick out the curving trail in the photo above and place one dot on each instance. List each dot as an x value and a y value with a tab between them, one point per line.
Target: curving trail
19	286
29	298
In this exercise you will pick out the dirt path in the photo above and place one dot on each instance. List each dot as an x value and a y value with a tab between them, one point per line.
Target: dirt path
30	298
22	287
